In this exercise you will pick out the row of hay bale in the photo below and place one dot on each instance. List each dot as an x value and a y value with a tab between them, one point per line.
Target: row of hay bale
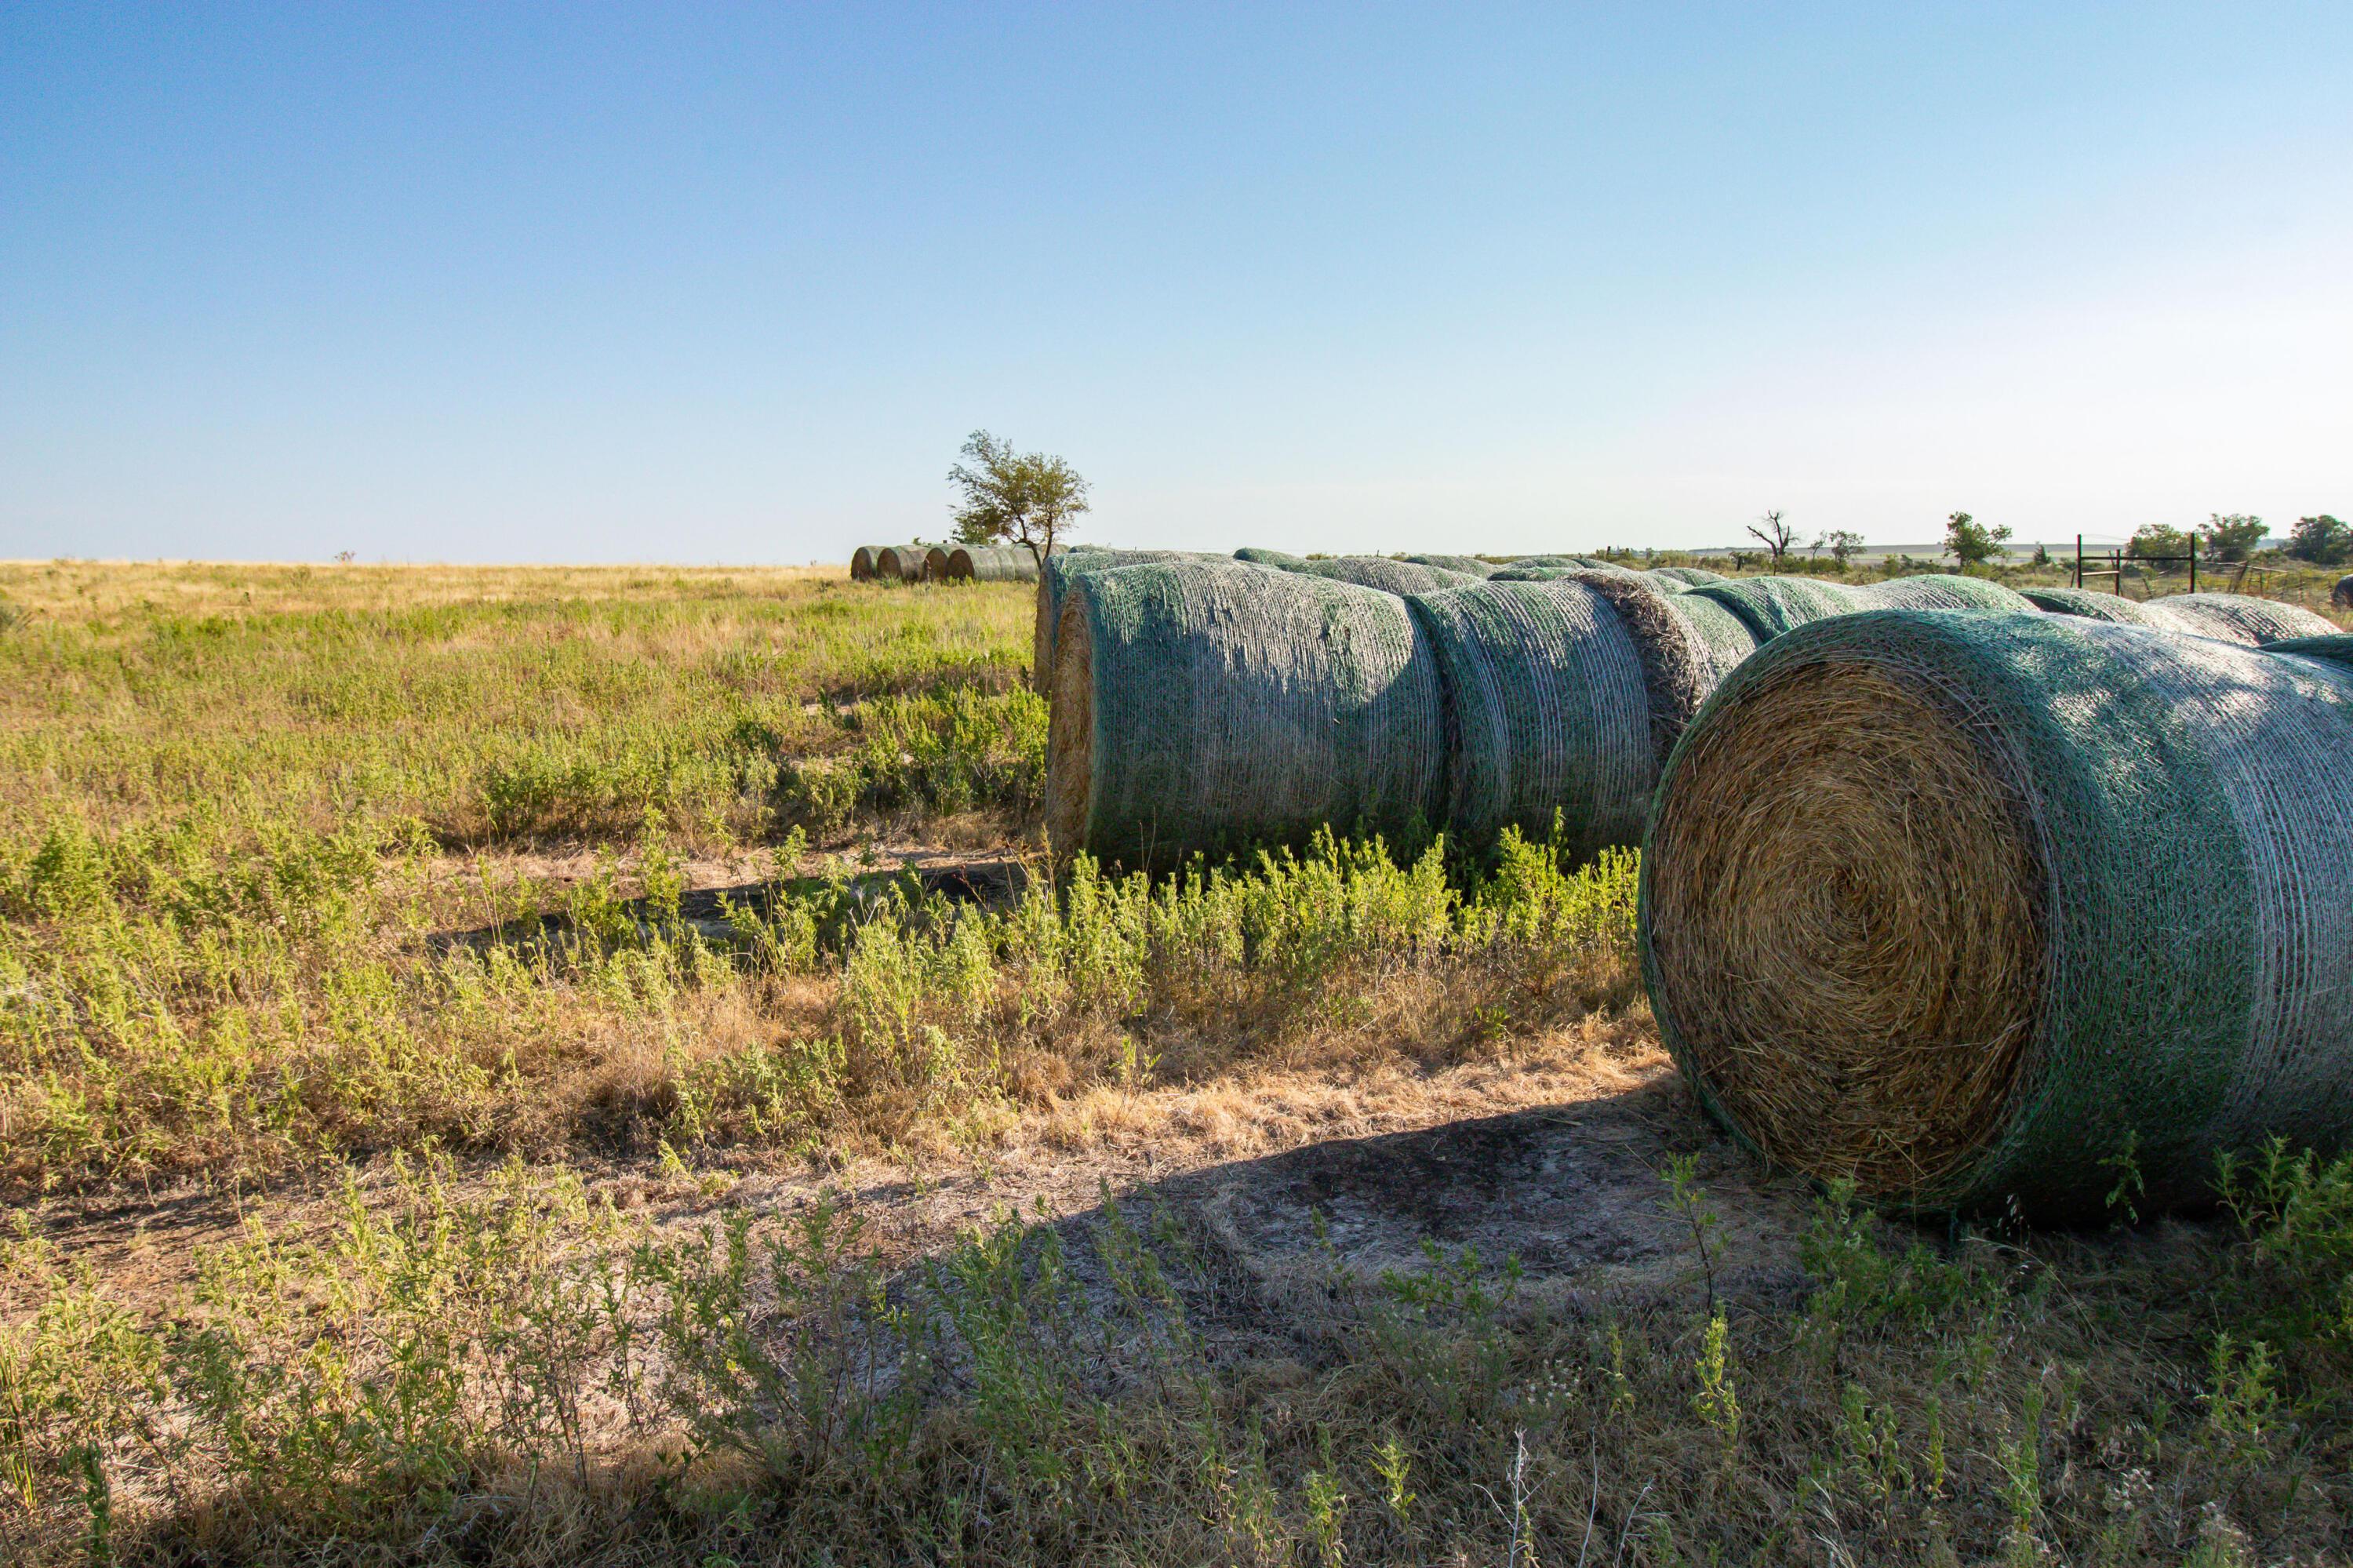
1975	898
1206	705
944	563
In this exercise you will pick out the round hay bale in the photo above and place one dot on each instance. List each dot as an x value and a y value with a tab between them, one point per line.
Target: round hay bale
1968	907
2341	596
903	562
1005	564
861	561
1054	581
960	563
1207	709
2336	648
1282	559
1546	713
1694	576
1943	591
1390	576
935	563
1770	606
2083	602
2236	618
1468	566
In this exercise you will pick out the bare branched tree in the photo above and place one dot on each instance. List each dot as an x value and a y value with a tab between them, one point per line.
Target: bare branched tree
1775	534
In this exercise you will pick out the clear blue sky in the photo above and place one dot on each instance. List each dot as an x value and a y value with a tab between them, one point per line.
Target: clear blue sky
688	283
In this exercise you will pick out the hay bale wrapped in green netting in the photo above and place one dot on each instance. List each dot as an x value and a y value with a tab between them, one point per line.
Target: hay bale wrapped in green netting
1282	559
1054	581
1694	576
1982	909
1770	606
2087	604
1943	590
992	564
2338	647
1207	709
935	563
1562	698
1388	575
902	562
1468	566
2235	618
861	561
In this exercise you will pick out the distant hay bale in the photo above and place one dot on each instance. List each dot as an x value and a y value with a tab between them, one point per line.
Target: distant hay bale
1468	566
1944	590
992	564
1694	576
1770	606
903	562
1282	559
2341	596
2236	618
2336	648
861	561
1971	908
935	563
2087	604
1388	575
1054	581
1209	708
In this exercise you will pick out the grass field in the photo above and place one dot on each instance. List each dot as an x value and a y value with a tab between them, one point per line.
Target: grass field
519	1067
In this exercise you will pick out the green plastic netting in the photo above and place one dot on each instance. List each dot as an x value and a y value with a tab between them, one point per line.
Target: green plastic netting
2235	618
1694	576
2338	647
1872	807
1060	571
1257	557
993	562
1208	709
1390	576
2086	603
1770	606
1546	713
1470	566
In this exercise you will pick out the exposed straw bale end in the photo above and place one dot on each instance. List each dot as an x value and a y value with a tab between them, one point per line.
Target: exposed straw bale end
903	562
1958	906
861	561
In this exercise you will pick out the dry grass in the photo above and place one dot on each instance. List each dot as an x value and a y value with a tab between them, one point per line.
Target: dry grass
1846	911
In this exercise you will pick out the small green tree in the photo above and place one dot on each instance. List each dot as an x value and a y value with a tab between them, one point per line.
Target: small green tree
1842	544
2323	540
2157	539
1776	534
1970	543
2234	537
1029	498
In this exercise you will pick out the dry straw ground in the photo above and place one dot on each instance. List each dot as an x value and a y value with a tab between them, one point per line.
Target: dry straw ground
475	1086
